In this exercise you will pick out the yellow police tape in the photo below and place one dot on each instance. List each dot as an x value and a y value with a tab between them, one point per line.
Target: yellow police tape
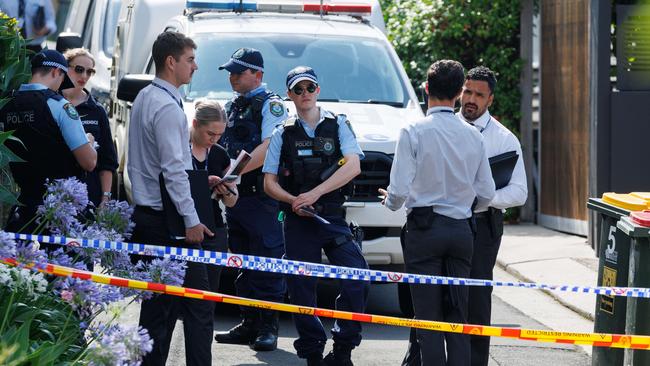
593	339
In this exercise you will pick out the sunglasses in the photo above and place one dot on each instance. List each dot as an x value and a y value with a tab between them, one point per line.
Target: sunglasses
311	88
80	70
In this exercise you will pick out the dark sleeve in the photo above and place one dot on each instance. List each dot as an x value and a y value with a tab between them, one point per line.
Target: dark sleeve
106	155
218	160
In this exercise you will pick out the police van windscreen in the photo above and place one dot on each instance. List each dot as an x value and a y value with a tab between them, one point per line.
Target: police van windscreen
356	70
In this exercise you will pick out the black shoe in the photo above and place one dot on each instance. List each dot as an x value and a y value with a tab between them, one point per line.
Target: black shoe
339	356
316	360
267	336
242	333
265	341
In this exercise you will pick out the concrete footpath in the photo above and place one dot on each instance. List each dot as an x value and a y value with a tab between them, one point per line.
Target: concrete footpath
532	253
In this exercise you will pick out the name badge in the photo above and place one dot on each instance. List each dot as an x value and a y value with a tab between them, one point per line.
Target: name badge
305	152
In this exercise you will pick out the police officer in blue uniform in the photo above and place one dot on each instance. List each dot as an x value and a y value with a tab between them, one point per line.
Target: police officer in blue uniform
253	226
53	142
309	167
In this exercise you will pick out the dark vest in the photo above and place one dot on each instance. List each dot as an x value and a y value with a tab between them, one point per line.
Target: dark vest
45	152
304	160
244	132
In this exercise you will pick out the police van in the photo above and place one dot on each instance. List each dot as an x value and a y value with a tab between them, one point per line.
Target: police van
359	72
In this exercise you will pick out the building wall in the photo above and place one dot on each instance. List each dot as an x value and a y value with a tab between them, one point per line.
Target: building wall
564	147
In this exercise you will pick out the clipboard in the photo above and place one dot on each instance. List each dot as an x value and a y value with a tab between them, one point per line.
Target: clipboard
202	203
502	166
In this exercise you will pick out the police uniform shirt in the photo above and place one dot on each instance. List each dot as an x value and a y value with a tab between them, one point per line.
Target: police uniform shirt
158	142
95	121
349	144
273	111
11	8
498	140
66	117
440	161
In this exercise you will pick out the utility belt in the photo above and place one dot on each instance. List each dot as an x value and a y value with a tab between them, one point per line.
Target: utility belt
493	217
252	186
421	218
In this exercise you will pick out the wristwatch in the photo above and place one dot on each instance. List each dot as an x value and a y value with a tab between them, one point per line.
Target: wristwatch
107	194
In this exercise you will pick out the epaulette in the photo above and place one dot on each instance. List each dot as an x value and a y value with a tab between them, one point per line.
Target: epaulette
290	122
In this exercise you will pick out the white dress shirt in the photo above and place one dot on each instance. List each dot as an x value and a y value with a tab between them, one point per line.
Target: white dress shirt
498	140
159	142
440	161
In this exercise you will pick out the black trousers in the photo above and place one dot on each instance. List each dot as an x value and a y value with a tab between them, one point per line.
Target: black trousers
219	243
159	314
486	247
443	248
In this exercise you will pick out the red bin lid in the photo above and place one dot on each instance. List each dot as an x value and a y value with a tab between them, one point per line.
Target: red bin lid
641	217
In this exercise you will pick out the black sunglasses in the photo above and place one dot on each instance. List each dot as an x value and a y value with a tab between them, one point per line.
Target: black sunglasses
80	70
311	88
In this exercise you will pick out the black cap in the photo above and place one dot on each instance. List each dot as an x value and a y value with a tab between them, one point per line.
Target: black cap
52	58
299	74
243	59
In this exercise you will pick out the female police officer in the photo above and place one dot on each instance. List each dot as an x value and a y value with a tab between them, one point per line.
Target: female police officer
297	171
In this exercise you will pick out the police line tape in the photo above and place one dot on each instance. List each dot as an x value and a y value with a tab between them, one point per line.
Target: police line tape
537	335
285	266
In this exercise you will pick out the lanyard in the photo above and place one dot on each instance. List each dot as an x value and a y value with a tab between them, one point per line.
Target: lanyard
442	111
486	125
180	104
194	160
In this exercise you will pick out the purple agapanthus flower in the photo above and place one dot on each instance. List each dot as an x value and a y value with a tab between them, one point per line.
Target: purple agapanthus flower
64	200
28	252
159	270
86	297
7	245
119	345
115	216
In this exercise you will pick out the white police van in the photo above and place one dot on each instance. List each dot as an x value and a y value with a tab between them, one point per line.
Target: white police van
359	72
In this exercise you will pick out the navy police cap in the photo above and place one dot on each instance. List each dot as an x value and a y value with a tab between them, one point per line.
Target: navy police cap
299	74
243	59
53	58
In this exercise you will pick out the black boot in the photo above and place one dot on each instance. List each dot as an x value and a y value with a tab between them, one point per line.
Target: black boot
339	356
267	336
315	360
243	333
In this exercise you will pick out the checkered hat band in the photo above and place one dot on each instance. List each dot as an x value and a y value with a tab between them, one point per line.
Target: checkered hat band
55	64
302	75
246	64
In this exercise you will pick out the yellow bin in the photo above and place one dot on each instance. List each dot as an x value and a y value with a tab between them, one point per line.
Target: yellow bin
644	196
625	201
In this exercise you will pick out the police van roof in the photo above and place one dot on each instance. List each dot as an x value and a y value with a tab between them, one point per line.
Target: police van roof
274	23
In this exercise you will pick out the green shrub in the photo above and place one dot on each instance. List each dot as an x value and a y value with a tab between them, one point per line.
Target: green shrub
474	32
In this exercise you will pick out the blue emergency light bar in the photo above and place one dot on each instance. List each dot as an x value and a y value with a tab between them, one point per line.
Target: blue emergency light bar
285	6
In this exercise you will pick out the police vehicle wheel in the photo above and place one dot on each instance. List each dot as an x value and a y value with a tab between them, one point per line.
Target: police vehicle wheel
405	302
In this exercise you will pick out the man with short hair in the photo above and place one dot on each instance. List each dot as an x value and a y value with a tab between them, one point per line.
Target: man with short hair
53	142
159	143
440	168
476	98
253	226
310	164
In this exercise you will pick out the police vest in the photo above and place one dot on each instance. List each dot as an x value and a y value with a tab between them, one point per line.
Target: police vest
304	160
45	152
244	132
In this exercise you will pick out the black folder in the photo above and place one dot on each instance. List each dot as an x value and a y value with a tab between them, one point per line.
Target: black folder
202	203
502	166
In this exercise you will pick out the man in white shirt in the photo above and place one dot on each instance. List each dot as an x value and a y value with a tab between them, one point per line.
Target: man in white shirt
476	98
440	168
159	143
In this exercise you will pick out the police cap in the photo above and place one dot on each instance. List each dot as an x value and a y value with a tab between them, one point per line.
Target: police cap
243	59
53	58
299	74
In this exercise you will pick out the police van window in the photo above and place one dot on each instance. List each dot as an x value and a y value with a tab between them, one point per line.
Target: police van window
350	70
109	28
